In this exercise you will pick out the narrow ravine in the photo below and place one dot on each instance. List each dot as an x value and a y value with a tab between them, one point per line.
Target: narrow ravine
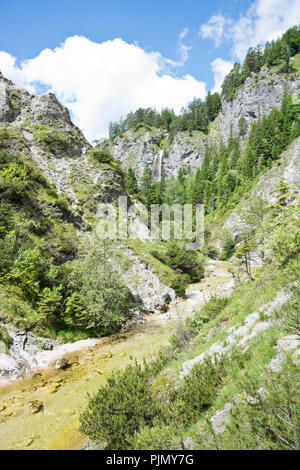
62	394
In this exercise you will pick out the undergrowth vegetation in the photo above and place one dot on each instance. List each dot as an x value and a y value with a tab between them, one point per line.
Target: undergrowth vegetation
43	265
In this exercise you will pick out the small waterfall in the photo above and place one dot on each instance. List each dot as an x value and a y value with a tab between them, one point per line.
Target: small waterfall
157	165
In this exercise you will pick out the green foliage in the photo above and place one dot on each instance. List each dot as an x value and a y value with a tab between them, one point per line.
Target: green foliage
227	243
160	437
99	301
179	283
131	184
268	417
196	116
147	186
24	273
284	241
277	53
37	247
50	305
76	311
198	390
120	408
100	156
243	126
187	263
4	338
53	139
210	310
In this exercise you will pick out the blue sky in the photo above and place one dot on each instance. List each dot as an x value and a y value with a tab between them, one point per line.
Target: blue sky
29	26
167	51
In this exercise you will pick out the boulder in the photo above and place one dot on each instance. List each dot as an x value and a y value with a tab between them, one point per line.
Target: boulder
62	363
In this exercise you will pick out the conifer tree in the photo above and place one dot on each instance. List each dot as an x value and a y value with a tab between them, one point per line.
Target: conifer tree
131	184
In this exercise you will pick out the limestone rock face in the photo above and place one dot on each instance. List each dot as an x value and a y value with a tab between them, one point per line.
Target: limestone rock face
39	127
137	149
16	104
152	148
186	149
145	286
47	108
260	93
12	99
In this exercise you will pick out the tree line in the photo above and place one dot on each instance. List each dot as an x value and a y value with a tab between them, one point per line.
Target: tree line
275	53
196	116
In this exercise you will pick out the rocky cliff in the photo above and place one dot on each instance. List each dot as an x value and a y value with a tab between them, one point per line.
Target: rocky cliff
40	129
260	93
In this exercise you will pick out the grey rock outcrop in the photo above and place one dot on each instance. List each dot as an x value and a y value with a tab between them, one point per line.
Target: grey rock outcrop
260	93
40	128
243	333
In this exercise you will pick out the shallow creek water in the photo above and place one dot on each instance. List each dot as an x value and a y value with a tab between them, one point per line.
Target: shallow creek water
64	392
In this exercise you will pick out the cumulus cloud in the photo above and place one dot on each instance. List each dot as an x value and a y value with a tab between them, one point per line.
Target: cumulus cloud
101	82
214	29
264	20
9	69
220	69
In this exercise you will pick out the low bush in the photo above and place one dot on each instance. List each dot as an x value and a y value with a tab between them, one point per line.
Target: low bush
269	414
101	156
120	408
210	310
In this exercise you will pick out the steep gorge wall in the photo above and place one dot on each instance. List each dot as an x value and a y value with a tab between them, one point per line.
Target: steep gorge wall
260	93
40	128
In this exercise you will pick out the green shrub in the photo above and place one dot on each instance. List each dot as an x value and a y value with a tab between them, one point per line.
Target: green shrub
120	408
53	139
50	305
210	310
187	262
198	390
101	156
179	283
24	273
227	244
102	301
160	437
267	416
76	312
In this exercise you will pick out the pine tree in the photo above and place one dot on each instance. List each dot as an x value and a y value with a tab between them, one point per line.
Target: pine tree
147	186
198	187
131	184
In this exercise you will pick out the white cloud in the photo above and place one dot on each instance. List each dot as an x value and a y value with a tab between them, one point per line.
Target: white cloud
220	69
101	82
9	69
214	29
183	48
265	20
